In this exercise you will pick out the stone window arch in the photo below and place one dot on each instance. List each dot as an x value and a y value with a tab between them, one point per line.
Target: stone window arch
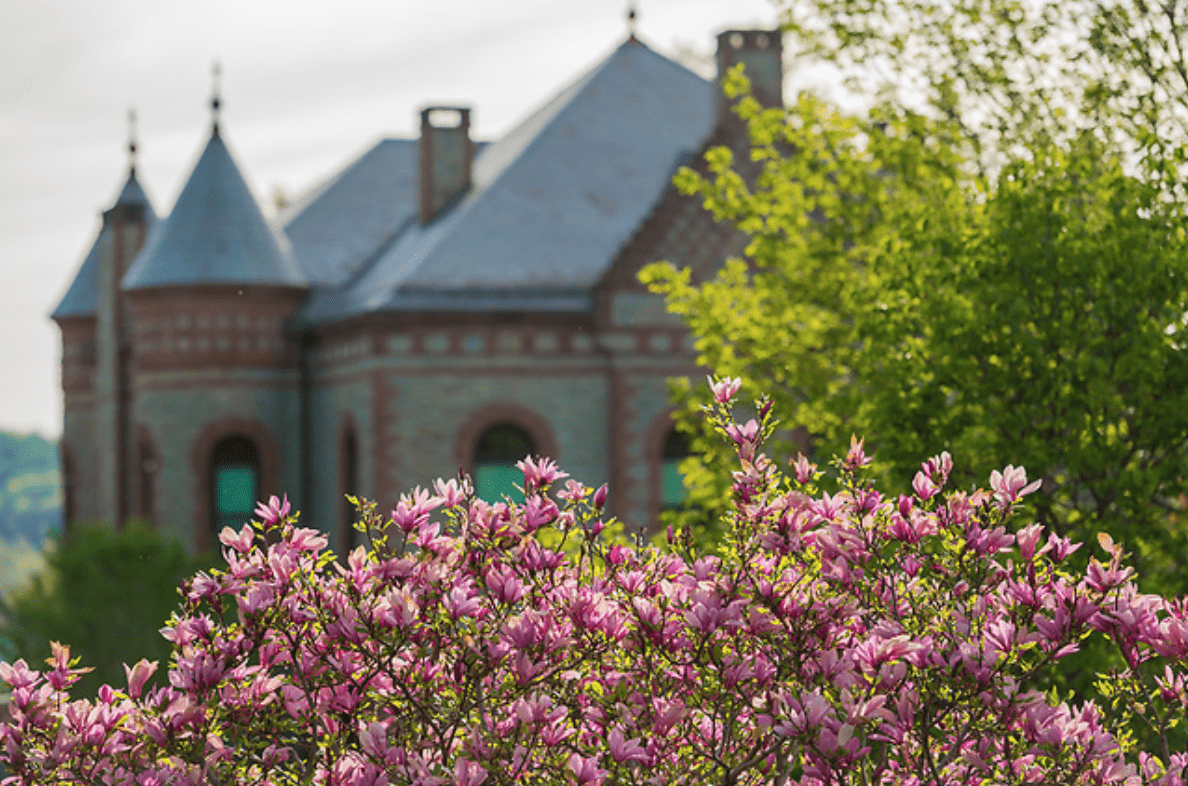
664	448
234	482
496	453
493	439
202	451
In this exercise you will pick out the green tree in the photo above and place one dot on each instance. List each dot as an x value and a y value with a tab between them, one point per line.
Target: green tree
105	593
1035	320
1008	73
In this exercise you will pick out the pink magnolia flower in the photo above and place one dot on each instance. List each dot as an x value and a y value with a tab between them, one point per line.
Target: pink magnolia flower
138	675
938	468
1027	539
504	584
856	458
1102	578
585	770
453	492
306	539
806	471
1060	547
539	473
625	750
412	510
746	434
725	389
240	541
924	487
468	773
463	600
18	675
272	512
1011	484
574	491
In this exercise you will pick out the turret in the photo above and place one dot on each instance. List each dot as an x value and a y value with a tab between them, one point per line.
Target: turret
95	358
216	371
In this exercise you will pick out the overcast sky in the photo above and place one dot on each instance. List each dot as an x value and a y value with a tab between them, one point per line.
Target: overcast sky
306	86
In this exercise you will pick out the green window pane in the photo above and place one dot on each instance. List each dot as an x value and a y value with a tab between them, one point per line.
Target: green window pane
235	489
492	481
673	492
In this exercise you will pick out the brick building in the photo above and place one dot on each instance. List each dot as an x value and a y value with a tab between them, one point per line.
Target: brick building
438	304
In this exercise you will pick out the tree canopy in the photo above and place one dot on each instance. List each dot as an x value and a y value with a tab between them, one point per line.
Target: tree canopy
1007	73
890	291
106	592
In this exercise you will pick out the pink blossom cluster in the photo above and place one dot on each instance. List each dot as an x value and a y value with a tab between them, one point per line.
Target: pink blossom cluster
836	638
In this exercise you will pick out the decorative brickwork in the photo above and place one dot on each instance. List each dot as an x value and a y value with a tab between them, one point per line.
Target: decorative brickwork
220	326
78	354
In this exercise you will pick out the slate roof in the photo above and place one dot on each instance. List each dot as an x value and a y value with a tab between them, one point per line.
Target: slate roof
82	297
216	234
339	226
342	224
552	202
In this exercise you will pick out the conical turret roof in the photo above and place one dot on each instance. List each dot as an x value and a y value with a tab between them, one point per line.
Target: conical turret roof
216	234
82	297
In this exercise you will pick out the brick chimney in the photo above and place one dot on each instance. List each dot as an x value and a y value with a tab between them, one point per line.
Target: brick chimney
761	53
446	154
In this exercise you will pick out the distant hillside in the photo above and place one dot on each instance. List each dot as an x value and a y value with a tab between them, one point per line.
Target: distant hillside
30	489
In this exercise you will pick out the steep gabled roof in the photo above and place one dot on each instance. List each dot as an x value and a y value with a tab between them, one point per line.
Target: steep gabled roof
216	234
82	297
552	201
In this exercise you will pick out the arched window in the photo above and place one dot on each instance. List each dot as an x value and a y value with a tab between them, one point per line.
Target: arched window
234	483
69	494
148	473
495	456
350	537
673	493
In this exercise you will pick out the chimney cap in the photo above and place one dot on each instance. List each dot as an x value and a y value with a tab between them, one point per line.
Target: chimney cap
443	116
749	39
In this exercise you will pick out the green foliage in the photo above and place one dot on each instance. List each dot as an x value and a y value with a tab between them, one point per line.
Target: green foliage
107	594
1036	320
1011	73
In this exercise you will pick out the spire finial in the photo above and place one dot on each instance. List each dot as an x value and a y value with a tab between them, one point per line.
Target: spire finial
632	15
216	99
132	141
